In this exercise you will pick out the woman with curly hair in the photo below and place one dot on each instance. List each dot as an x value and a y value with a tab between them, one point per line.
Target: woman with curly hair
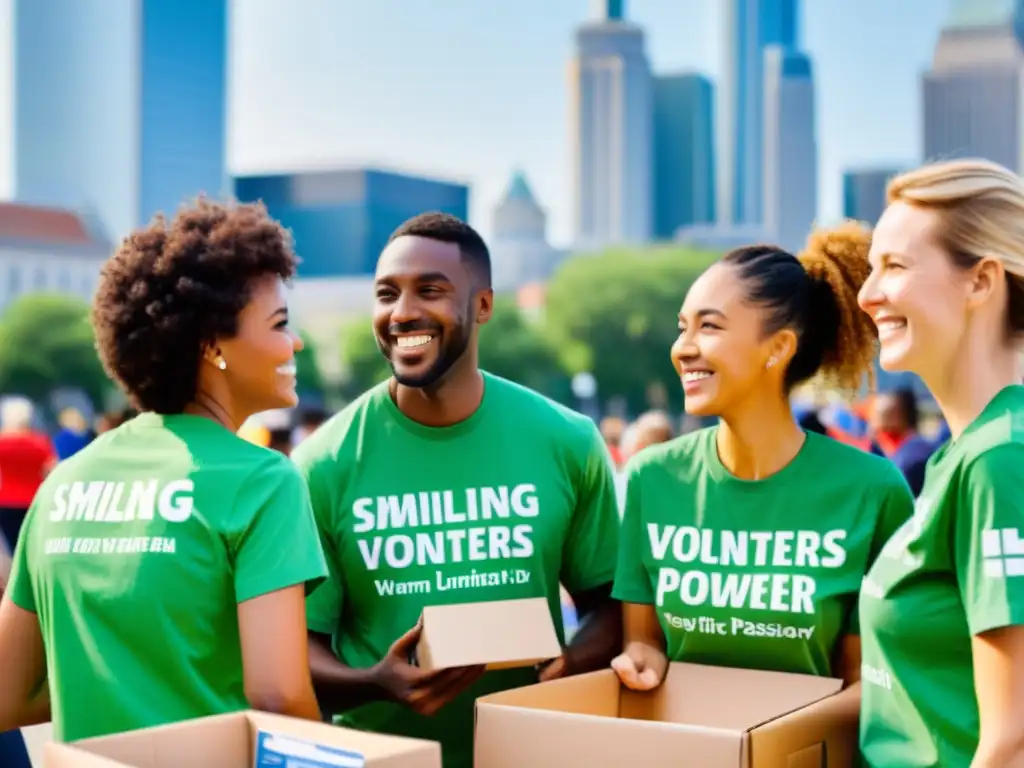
160	574
744	544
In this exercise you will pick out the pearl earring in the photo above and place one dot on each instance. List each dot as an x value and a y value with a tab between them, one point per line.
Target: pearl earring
222	364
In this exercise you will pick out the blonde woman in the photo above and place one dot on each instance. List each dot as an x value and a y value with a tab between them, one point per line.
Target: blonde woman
942	608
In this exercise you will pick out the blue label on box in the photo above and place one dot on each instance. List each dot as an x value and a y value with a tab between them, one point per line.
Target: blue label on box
275	750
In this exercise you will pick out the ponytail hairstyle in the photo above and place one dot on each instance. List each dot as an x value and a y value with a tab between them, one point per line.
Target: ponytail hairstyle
815	295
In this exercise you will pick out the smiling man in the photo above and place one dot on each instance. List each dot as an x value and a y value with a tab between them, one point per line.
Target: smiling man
446	484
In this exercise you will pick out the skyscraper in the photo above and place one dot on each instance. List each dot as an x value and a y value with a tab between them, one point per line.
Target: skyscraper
974	93
607	10
119	108
749	26
341	219
864	193
684	167
790	175
610	123
520	252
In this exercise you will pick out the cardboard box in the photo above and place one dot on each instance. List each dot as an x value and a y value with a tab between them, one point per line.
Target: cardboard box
704	717
499	634
244	740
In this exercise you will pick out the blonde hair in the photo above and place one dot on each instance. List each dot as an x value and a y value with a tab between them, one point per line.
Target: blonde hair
980	209
838	258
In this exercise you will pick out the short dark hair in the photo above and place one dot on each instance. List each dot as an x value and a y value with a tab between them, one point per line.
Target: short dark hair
446	228
279	436
313	417
815	295
906	402
175	286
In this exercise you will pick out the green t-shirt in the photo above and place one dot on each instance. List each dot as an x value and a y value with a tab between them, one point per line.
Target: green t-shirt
135	554
758	574
955	570
503	505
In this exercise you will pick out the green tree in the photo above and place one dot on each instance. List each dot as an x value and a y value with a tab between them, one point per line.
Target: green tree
509	346
363	362
614	315
309	378
46	343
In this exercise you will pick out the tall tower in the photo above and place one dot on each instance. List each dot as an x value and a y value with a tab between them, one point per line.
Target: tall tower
864	193
119	108
520	252
684	170
790	156
973	96
610	122
750	26
608	10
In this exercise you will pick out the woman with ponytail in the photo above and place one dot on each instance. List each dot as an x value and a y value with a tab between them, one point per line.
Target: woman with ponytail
744	544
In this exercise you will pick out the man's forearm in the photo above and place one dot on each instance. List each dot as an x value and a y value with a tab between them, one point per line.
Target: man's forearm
598	639
339	687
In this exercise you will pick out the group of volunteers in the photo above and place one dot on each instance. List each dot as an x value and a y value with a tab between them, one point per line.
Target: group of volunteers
172	570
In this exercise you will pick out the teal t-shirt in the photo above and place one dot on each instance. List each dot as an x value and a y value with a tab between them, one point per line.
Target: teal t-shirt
503	505
757	574
135	555
955	570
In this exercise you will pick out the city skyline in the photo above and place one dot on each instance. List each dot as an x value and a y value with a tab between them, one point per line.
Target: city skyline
439	116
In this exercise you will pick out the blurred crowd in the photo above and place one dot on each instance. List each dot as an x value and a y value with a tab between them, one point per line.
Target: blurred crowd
889	423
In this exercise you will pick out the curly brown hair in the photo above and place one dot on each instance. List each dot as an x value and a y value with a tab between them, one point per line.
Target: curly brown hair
837	258
815	295
176	286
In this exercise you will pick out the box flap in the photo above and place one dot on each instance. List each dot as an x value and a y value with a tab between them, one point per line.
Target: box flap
498	633
66	756
516	728
729	698
823	733
221	741
231	741
593	693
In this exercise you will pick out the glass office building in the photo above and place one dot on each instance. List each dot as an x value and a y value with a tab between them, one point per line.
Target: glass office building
341	220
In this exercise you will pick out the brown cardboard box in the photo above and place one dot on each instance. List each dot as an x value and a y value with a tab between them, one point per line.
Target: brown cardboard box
500	634
704	717
233	741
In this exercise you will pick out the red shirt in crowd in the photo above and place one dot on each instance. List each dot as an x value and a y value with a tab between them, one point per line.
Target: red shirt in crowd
25	458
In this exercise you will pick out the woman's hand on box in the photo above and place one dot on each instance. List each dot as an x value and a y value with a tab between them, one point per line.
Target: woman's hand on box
641	667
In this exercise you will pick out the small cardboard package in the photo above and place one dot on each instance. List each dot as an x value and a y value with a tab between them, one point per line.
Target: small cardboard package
244	740
704	717
499	634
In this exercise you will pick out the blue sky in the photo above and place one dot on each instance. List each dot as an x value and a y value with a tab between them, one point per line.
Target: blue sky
474	88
